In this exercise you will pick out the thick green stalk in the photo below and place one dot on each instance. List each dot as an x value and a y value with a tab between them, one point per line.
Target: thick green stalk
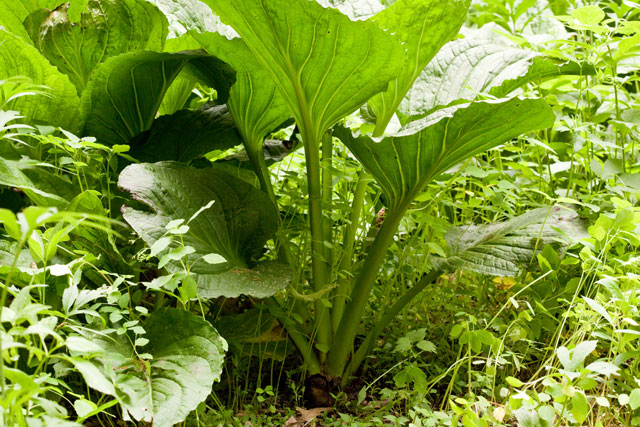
384	117
260	168
382	122
387	317
311	142
350	322
327	202
348	244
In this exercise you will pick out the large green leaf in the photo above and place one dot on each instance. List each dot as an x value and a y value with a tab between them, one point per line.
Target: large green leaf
61	107
324	65
186	135
423	26
177	96
43	187
255	104
187	358
261	281
11	23
125	92
355	9
404	163
226	279
107	28
236	226
181	90
192	15
25	262
503	249
13	13
481	63
22	8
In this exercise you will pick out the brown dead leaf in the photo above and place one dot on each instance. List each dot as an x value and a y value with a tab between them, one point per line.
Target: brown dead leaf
308	415
291	422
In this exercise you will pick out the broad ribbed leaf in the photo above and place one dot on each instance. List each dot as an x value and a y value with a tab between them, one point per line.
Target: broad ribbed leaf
22	8
61	107
11	23
218	280
125	92
403	164
481	63
13	13
355	9
177	96
503	249
324	64
423	27
255	104
186	135
43	188
194	15
187	359
181	90
108	28
262	281
24	264
236	226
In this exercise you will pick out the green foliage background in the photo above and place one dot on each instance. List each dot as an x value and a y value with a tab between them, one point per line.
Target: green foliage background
415	212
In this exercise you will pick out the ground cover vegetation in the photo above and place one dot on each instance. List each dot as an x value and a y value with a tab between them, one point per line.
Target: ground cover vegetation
358	212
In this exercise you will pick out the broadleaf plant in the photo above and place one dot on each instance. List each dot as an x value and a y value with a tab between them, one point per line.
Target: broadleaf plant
14	12
199	132
423	27
236	226
125	93
404	164
254	101
161	382
281	60
78	48
109	51
481	63
319	70
61	107
503	248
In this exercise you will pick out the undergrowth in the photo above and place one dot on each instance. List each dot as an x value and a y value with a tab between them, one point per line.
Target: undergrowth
553	344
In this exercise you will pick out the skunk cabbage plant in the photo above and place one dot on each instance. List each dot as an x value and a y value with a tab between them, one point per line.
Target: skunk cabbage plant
267	64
